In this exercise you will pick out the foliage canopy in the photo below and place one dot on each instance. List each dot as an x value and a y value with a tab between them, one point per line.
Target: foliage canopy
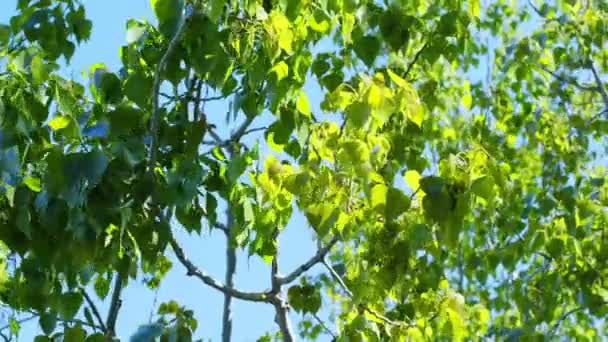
451	173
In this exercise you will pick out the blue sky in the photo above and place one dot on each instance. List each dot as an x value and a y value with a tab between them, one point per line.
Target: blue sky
251	320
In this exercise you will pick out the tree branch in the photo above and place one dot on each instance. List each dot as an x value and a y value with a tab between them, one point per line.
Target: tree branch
281	306
318	257
155	94
115	305
553	330
282	318
94	309
415	60
337	278
325	327
381	317
563	79
560	320
211	282
229	279
599	84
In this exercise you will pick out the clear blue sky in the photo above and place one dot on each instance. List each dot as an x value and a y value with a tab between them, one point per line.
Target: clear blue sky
251	320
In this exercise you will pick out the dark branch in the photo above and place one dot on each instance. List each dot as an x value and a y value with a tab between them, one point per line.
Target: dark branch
324	326
115	305
415	60
94	309
318	257
599	84
281	307
570	81
553	330
211	282
229	277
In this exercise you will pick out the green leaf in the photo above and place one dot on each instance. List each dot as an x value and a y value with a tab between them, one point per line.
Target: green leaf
14	326
412	179
367	49
60	122
473	7
101	286
69	305
348	23
136	29
216	9
432	185
279	25
467	99
378	196
190	217
98	337
396	204
4	34
358	113
483	187
47	322
281	70
138	88
304	298
74	334
33	183
302	104
169	14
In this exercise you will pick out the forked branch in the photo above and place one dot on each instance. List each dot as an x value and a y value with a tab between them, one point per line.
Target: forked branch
317	258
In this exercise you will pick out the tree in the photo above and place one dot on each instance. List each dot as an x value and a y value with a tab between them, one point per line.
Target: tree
449	202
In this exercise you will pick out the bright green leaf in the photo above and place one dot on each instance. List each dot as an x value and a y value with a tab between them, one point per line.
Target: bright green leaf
59	122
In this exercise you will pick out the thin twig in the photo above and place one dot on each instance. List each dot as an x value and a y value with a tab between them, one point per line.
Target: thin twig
155	94
253	130
317	258
210	281
325	327
19	321
563	318
196	97
222	227
567	80
238	134
413	62
337	278
94	309
560	320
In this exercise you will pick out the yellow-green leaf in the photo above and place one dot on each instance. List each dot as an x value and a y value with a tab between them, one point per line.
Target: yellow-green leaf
281	70
412	179
467	99
59	122
279	28
348	23
378	195
474	8
302	104
396	79
32	183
